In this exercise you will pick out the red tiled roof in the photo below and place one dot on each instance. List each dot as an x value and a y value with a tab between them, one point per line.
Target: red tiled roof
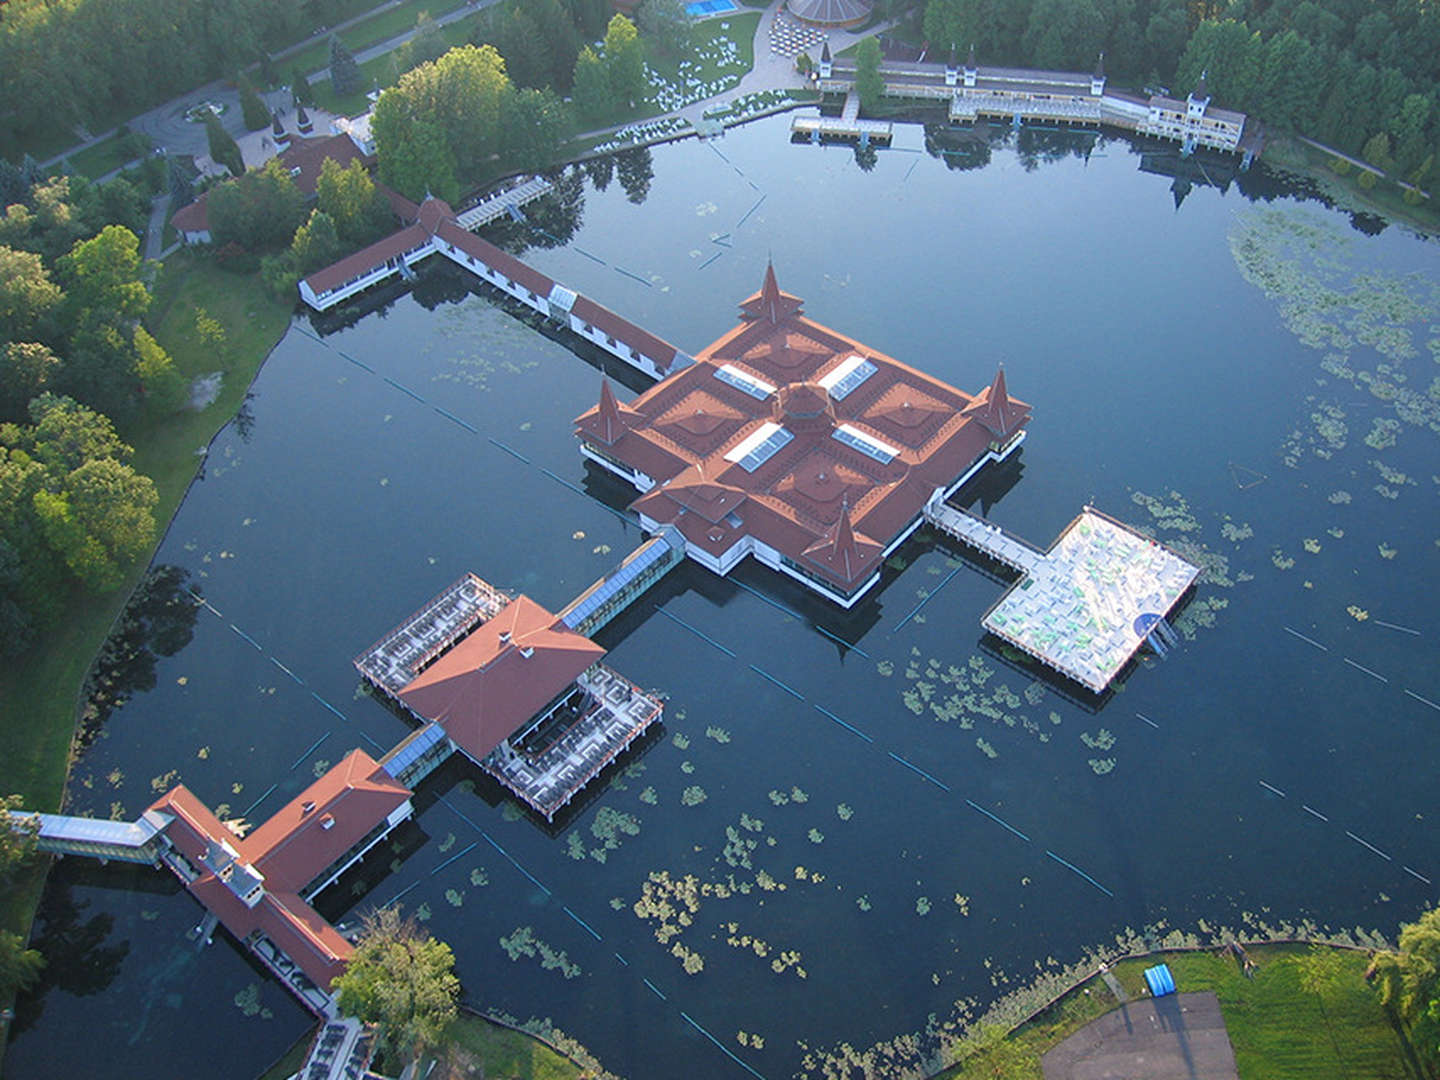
679	431
520	273
623	330
193	217
500	675
308	155
366	259
295	844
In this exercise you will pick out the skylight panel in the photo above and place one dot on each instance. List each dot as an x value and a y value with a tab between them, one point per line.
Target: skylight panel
757	388
759	446
868	445
846	376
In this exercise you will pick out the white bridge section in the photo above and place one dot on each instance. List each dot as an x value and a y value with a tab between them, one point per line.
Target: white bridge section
984	536
503	202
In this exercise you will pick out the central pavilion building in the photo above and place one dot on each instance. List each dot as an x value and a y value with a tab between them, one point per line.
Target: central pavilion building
793	443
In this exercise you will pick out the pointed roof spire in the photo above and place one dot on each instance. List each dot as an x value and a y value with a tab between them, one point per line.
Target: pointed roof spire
611	426
301	116
770	303
1001	414
825	52
275	126
843	547
1202	89
971	62
1100	65
951	63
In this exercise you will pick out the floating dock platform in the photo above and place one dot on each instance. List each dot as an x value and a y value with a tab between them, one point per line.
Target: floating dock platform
1088	604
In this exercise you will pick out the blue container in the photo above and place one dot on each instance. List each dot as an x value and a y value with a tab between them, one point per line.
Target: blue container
1160	981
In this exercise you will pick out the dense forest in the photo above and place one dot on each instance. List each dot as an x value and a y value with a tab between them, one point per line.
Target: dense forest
1360	76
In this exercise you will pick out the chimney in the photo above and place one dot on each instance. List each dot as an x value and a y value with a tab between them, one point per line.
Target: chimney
306	807
504	637
328	821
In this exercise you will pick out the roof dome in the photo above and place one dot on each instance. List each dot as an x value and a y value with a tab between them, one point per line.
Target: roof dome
803	406
830	12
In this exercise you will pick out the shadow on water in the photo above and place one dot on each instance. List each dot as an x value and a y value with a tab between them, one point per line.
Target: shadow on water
158	620
80	956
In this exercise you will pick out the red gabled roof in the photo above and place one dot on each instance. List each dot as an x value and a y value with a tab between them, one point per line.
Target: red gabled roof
520	273
623	330
367	258
500	675
296	844
309	156
193	217
844	555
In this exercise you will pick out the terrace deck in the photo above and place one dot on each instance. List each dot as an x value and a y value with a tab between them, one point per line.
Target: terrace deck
1088	605
618	715
400	655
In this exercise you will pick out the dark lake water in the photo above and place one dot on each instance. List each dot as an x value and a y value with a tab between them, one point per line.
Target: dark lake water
1262	367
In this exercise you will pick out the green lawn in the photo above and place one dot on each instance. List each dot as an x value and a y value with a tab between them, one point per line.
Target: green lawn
382	26
1278	1030
378	71
95	161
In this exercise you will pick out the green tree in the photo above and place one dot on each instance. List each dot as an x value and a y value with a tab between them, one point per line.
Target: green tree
300	92
1410	128
252	109
163	386
402	980
1230	54
102	278
537	127
224	150
415	158
19	966
666	24
356	208
1062	34
100	521
427	43
594	98
27	295
868	83
1377	152
17	839
27	370
1408	983
345	77
258	211
316	244
625	60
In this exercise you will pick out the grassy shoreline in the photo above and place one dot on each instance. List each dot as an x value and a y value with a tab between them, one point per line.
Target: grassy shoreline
1279	1028
45	688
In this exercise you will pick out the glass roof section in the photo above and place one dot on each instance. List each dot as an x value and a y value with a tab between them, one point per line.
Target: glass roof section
868	445
622	577
759	446
757	388
846	376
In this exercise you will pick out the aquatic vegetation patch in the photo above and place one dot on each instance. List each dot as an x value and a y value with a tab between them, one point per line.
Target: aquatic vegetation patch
1359	614
248	1002
986	749
719	734
1387	552
454	897
693	795
1339	498
523	942
1101	766
843	812
922	905
648	796
1101	740
1312	545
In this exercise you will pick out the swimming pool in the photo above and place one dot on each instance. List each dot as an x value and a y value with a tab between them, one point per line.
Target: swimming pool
702	8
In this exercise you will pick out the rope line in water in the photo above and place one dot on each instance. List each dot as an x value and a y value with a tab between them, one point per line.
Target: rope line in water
1307	640
1366	670
1076	869
916	609
722	1046
313	747
459	854
258	801
513	453
1147	720
771	678
1272	787
826	712
702	636
582	922
916	769
998	820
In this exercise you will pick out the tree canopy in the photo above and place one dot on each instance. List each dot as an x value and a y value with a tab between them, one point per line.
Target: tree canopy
624	56
1408	982
868	83
401	979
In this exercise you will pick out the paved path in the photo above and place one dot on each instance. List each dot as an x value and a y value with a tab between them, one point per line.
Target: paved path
1365	165
155	231
1177	1037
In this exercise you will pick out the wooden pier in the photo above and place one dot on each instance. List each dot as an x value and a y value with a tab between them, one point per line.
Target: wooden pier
847	126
